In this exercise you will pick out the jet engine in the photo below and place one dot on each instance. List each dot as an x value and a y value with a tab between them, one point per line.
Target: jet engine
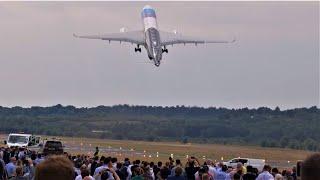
123	29
175	31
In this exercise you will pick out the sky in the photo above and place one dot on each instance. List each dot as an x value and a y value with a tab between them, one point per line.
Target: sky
274	62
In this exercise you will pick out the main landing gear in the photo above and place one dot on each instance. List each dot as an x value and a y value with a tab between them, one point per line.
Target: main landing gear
137	49
164	50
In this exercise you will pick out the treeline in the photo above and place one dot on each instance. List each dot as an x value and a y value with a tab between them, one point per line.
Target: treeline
295	128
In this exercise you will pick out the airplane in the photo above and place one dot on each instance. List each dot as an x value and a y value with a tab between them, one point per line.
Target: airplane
153	40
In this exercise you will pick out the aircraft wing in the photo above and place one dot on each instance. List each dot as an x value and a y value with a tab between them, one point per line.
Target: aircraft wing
168	38
136	37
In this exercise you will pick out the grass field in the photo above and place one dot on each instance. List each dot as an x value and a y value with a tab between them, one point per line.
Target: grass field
160	151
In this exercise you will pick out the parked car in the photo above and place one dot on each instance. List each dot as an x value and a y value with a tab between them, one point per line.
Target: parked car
256	163
23	140
52	146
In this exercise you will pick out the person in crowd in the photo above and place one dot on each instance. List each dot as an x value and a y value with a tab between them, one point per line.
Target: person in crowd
11	167
156	169
265	175
238	171
278	177
28	168
21	153
294	173
192	166
152	165
219	166
96	153
3	172
171	161
19	162
147	173
22	175
33	157
77	165
107	164
137	173
137	162
6	155
284	172
84	172
128	166
108	174
55	167
101	160
122	171
274	171
241	169
237	176
114	162
178	174
164	171
94	165
148	170
19	174
212	168
178	164
311	167
222	174
24	164
203	173
250	175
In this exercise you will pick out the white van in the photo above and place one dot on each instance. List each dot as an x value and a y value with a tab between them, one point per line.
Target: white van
255	163
23	140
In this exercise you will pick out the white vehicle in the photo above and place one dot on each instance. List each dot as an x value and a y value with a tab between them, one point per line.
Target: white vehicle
23	140
255	163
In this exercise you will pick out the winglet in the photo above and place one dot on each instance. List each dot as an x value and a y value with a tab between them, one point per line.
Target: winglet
74	35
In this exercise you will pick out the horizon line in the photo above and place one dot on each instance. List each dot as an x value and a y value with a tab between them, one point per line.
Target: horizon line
163	106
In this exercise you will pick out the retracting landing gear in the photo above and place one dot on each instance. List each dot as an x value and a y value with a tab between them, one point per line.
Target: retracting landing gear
164	49
137	49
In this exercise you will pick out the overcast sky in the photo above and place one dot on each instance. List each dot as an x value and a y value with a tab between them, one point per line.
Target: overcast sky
275	61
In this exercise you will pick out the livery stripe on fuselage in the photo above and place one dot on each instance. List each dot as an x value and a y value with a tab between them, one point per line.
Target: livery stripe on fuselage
148	13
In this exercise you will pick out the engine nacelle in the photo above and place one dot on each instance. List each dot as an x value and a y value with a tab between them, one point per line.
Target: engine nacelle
175	31
123	29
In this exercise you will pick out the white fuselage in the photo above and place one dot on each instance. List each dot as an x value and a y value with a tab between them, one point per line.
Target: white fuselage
149	18
152	36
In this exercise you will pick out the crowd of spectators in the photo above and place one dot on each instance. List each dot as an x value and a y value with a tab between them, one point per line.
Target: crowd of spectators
23	164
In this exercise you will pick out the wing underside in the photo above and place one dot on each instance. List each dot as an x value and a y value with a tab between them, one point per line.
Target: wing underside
168	38
134	37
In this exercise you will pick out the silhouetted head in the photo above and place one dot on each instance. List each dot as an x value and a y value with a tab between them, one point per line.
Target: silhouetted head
311	167
267	168
55	167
